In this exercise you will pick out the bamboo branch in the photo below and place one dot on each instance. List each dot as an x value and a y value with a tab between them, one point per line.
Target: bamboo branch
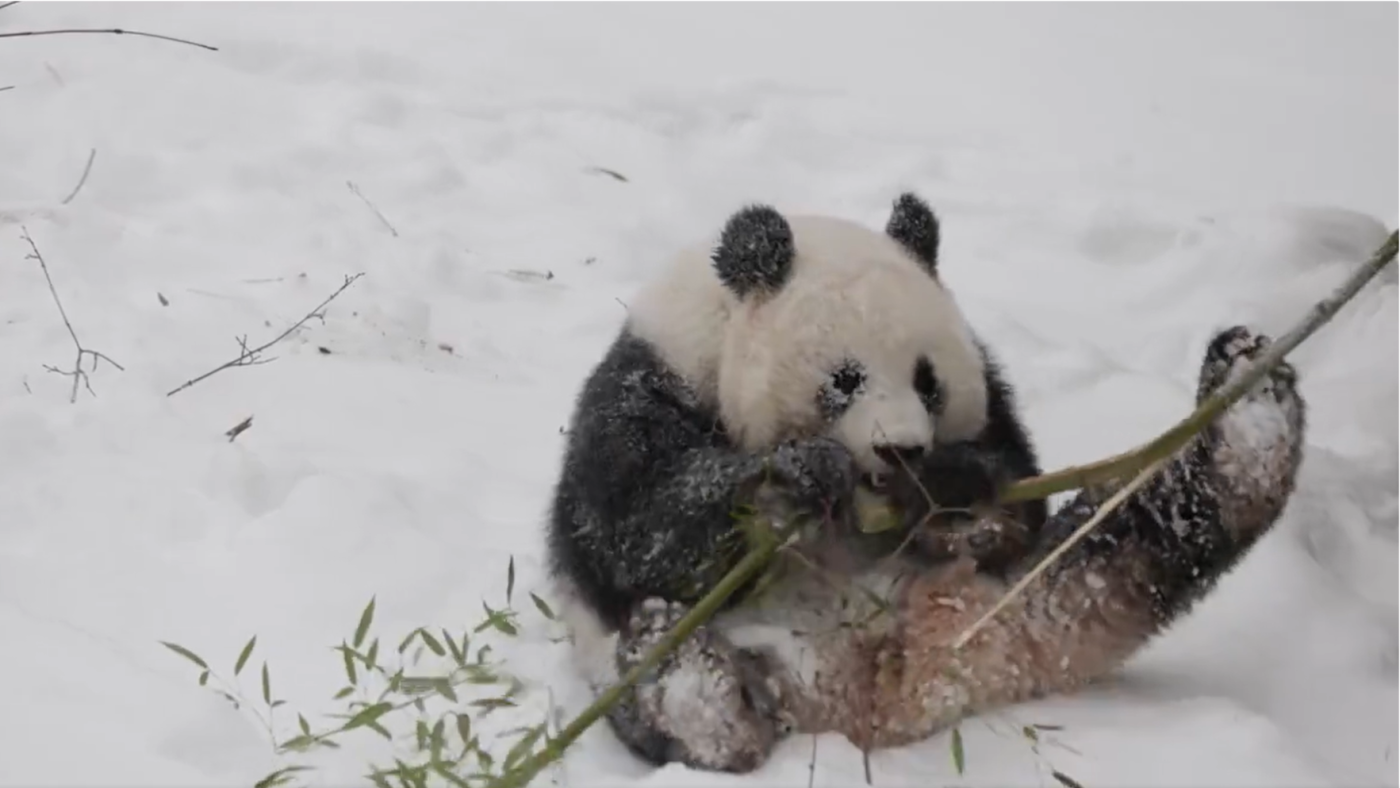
114	31
1156	454
253	356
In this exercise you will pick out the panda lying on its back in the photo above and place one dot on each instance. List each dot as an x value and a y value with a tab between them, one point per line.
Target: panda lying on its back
819	354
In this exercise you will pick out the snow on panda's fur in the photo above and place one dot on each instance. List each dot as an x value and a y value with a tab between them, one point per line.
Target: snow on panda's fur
819	353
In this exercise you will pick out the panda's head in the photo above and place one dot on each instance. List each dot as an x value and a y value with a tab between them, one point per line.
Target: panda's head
834	328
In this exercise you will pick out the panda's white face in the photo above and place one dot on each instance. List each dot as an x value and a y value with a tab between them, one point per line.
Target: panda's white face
859	342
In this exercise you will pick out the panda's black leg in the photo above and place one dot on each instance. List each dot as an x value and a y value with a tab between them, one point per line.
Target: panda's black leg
708	704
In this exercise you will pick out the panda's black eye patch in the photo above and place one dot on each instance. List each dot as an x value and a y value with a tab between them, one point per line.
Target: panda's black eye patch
926	385
845	383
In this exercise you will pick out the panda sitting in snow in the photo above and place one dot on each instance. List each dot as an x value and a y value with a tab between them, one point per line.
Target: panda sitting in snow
825	357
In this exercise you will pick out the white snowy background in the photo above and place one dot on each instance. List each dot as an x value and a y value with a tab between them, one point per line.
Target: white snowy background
1115	181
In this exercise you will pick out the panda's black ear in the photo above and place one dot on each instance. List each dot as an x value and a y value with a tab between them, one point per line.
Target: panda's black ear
755	251
914	226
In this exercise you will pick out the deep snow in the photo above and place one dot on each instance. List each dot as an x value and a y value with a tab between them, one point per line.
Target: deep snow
1115	181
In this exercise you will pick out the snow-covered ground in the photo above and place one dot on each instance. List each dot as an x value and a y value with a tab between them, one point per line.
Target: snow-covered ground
1116	181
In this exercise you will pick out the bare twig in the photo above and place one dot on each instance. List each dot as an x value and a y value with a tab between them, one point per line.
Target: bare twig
356	191
248	357
6	87
1157	453
239	428
5	5
87	168
77	373
614	174
115	31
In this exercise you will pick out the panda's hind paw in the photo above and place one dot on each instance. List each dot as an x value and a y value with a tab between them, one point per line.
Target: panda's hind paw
1230	353
715	706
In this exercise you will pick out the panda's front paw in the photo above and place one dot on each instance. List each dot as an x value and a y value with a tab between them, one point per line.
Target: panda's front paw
819	473
1230	353
954	476
946	502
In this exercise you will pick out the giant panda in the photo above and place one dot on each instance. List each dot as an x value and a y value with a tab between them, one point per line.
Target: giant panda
825	359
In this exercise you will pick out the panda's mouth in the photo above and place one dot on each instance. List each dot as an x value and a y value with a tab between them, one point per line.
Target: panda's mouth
875	480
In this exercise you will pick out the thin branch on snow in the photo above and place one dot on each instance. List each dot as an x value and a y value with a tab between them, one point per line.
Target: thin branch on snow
5	5
356	191
6	87
77	373
115	31
239	429
86	169
248	357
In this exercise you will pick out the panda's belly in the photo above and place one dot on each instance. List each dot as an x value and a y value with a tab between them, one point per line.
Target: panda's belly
807	619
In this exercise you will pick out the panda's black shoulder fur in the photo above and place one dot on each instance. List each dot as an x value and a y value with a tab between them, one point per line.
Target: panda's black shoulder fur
642	498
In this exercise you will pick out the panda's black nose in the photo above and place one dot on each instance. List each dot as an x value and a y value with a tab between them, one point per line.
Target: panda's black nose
897	455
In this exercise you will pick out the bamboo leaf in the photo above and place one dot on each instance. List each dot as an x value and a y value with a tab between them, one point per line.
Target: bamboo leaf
365	618
280	776
458	655
186	653
464	728
543	607
244	655
510	579
958	756
444	688
431	642
349	664
368	715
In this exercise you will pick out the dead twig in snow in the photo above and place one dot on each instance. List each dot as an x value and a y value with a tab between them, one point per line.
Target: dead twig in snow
356	191
77	373
6	87
614	174
239	428
248	357
86	169
112	31
3	6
